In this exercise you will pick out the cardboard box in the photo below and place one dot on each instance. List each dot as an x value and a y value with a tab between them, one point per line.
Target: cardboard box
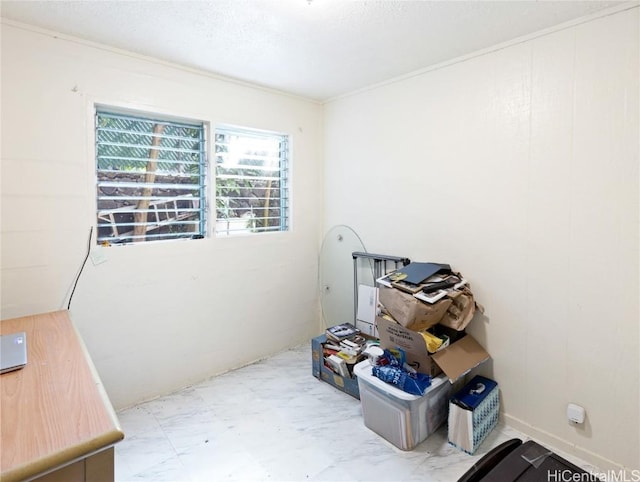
461	312
347	384
366	312
455	360
409	311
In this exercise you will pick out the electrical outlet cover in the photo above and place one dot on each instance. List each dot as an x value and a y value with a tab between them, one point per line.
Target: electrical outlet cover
98	256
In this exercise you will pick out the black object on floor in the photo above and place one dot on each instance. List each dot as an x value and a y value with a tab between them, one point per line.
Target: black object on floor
483	466
514	461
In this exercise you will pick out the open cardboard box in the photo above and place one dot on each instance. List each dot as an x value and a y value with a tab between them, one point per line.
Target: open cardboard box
455	361
411	312
348	384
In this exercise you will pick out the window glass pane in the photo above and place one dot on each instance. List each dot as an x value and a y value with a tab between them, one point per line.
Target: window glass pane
150	179
251	182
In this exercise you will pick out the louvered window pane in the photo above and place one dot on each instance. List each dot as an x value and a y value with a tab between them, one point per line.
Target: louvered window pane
150	178
252	192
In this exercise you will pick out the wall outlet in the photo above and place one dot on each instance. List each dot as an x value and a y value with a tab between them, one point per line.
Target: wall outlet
575	413
98	256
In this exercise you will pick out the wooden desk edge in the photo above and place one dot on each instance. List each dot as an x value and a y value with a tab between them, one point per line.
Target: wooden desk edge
56	460
100	387
69	455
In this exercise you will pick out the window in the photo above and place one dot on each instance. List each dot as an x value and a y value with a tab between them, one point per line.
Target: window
252	192
150	178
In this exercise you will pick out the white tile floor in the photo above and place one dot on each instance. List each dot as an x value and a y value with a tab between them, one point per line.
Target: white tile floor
274	421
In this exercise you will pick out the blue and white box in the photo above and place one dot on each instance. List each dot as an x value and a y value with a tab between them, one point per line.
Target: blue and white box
473	413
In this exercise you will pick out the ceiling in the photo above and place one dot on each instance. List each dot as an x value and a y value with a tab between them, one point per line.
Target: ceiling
317	49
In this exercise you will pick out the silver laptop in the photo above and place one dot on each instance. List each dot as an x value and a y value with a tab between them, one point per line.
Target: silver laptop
13	351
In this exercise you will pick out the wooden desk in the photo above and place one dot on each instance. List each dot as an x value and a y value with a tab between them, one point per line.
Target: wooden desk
56	421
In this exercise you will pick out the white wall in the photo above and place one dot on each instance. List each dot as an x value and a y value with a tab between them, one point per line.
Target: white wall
158	316
520	168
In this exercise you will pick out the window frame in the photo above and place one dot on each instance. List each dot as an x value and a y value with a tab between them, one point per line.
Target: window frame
199	203
284	180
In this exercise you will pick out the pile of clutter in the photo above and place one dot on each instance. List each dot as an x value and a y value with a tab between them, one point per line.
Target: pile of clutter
423	310
421	295
346	346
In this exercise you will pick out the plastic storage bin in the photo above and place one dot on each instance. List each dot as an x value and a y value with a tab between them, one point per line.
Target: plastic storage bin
403	419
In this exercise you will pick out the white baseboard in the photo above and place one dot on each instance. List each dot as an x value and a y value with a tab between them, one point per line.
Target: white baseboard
600	464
